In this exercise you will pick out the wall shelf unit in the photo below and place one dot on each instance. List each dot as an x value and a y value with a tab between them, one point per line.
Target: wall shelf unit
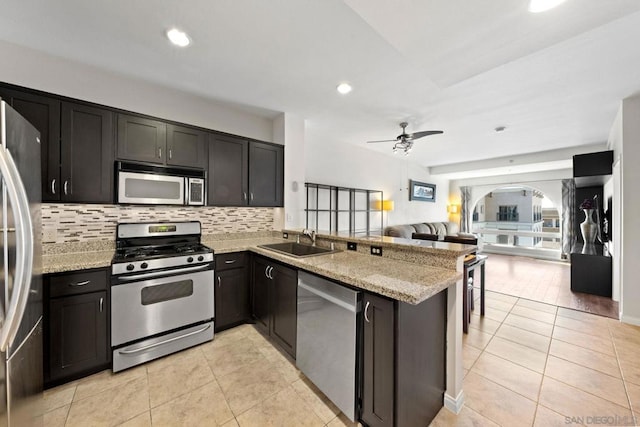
342	209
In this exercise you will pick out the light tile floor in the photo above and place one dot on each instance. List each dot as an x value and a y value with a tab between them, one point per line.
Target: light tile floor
544	281
238	379
528	363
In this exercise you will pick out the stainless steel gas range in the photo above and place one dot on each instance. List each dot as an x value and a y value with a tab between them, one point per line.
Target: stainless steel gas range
161	291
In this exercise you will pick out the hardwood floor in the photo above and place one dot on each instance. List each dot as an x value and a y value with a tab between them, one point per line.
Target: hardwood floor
544	281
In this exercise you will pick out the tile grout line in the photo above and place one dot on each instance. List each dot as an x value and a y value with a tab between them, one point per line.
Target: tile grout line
624	381
544	369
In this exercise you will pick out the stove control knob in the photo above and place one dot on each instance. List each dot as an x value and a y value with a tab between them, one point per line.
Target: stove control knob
144	265
200	258
190	259
130	267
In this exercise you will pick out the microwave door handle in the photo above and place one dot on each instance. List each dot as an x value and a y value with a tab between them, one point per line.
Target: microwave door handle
24	249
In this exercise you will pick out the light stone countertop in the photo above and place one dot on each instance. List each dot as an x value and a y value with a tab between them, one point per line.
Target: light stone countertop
404	281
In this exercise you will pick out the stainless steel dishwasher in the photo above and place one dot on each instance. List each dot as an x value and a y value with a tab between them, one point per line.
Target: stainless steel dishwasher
327	338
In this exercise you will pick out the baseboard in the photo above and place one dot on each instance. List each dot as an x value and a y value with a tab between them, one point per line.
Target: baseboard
454	404
631	320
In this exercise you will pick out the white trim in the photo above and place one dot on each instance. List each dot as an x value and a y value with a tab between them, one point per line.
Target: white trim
454	404
630	320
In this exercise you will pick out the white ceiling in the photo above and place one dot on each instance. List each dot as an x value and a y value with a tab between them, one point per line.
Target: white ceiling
554	79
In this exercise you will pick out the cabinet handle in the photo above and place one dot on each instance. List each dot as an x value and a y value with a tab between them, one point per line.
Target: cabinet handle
86	282
230	261
251	196
53	186
101	304
245	196
219	281
366	311
271	273
160	152
266	272
65	187
170	153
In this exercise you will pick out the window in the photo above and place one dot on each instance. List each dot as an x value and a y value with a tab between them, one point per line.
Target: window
507	213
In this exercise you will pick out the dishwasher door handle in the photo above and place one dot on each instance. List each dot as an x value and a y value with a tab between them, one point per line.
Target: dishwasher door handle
328	297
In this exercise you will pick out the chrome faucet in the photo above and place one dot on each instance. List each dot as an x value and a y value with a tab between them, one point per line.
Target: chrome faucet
311	234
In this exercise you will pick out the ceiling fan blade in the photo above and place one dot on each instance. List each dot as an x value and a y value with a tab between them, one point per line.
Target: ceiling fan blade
384	140
417	135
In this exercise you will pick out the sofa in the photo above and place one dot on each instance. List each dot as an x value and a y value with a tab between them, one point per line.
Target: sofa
406	231
447	231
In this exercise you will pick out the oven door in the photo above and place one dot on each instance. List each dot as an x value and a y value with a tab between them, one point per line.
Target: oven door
149	188
148	307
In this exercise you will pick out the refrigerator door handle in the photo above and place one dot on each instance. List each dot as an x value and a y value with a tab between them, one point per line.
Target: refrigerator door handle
24	249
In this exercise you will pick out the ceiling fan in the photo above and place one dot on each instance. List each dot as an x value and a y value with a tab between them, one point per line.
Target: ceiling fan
404	141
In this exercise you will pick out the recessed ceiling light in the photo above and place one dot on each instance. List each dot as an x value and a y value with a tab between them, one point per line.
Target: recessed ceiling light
344	88
537	6
179	38
500	129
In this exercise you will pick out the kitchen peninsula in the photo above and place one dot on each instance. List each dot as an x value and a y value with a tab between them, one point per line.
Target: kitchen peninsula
416	279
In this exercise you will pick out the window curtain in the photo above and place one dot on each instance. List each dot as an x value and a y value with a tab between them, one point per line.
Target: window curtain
568	216
465	215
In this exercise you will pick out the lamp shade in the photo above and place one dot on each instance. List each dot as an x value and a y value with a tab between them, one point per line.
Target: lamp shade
453	209
383	205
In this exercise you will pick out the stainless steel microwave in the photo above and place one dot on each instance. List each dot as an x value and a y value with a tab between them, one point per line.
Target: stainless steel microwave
141	183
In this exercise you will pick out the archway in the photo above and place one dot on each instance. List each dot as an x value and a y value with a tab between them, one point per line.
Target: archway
517	220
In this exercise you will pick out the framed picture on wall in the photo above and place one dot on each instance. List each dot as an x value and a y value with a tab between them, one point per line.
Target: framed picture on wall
422	191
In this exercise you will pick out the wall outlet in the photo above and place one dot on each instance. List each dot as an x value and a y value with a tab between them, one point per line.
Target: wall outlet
285	235
376	250
352	246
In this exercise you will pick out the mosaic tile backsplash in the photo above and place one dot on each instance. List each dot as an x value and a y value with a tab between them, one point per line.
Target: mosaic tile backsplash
63	223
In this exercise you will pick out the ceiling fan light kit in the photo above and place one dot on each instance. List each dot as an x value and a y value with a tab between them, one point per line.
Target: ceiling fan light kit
404	141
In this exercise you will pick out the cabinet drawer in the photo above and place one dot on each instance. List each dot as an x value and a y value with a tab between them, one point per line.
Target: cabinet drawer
80	282
231	260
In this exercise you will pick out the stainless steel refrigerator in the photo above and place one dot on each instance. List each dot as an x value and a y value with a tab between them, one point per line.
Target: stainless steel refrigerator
20	272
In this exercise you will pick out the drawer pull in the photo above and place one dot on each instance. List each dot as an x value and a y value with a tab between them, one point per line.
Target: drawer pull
230	261
84	283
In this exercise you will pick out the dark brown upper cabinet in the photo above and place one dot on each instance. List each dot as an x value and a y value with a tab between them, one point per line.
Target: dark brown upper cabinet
154	141
186	147
76	147
245	173
86	167
141	139
43	113
266	174
228	171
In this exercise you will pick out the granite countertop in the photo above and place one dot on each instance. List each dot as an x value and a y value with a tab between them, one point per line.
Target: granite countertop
400	280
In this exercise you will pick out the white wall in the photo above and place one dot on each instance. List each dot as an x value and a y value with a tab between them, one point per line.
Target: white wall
289	130
628	233
338	163
36	70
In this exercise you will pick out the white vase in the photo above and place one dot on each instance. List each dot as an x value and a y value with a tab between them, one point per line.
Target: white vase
588	227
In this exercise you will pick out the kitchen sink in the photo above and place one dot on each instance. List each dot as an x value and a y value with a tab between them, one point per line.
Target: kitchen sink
298	249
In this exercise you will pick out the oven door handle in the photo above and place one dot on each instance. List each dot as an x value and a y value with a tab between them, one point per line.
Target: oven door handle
162	273
157	344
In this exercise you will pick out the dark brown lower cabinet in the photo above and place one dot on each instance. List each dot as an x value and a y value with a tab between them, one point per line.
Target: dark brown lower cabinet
404	361
274	301
231	291
76	326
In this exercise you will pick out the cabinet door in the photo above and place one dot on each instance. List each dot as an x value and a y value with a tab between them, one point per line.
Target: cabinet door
44	114
284	306
141	139
78	335
87	154
186	147
266	174
378	378
228	171
260	294
231	298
